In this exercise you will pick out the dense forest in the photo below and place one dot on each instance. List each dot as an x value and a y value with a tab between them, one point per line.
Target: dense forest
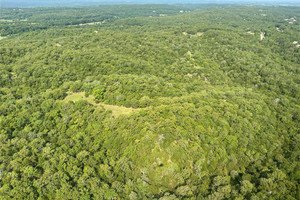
150	102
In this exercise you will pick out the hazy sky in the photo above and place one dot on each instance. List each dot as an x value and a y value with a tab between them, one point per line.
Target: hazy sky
34	3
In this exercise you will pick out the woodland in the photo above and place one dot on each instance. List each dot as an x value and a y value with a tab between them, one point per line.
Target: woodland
165	102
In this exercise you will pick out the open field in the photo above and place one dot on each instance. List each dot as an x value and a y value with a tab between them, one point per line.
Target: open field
116	110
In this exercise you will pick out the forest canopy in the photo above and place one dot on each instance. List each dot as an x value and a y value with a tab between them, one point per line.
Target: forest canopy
150	102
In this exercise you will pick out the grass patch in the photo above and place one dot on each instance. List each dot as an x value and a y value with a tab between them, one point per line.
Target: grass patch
6	20
116	110
1	38
93	23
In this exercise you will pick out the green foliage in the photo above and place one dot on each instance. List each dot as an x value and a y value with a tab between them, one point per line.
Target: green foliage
192	105
99	94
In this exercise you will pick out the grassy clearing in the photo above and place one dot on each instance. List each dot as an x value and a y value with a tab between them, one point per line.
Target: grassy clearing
6	20
78	96
1	38
93	23
198	34
116	110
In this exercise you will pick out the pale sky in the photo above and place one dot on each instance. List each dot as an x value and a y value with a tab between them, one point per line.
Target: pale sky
35	3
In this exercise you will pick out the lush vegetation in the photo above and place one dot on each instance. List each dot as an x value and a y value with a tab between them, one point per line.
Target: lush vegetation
186	104
18	20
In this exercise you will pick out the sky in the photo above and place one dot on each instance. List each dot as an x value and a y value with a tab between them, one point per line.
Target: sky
43	3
